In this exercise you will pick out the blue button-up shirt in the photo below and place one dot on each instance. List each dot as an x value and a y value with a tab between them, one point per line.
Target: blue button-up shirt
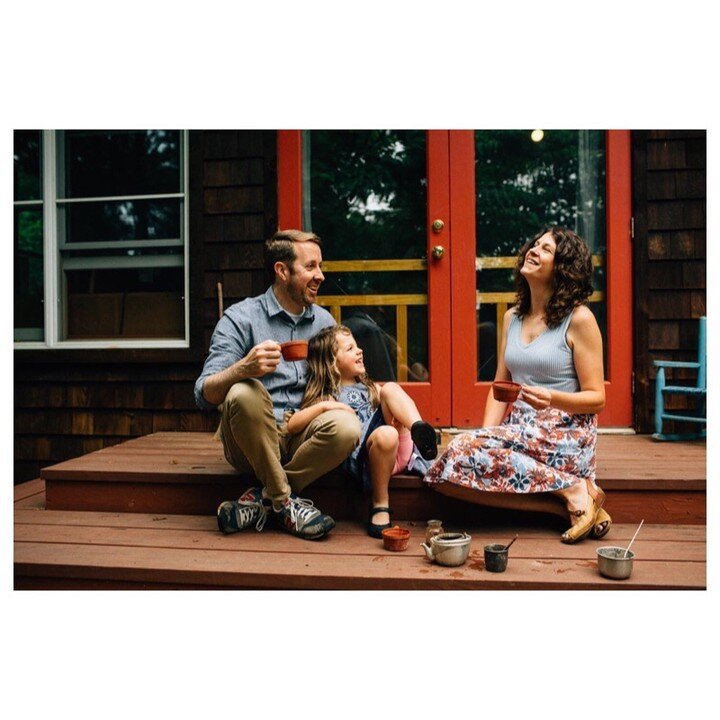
251	321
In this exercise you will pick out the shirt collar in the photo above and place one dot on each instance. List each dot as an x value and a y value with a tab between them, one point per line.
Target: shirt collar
275	308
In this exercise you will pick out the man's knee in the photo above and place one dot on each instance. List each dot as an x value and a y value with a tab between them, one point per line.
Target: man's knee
343	427
247	398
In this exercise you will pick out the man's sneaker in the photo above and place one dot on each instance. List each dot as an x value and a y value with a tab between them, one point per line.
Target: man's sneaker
251	508
300	517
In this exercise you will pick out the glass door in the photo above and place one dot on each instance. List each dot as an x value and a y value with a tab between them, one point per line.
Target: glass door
420	230
379	200
506	185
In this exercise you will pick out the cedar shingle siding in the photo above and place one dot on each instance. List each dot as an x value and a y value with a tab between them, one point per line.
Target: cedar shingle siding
669	275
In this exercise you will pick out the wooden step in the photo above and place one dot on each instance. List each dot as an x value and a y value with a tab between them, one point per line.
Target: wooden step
186	473
81	550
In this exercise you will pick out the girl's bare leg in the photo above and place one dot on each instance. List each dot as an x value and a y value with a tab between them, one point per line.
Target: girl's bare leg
398	405
382	448
400	410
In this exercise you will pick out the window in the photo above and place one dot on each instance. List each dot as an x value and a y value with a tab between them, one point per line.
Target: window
101	238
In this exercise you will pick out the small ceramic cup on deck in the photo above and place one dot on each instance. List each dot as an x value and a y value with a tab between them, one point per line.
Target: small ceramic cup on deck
496	558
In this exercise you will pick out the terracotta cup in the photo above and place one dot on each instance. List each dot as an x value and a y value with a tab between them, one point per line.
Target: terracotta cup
294	350
395	538
504	391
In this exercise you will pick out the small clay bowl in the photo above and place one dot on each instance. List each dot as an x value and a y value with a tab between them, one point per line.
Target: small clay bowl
395	538
612	562
505	391
496	558
294	350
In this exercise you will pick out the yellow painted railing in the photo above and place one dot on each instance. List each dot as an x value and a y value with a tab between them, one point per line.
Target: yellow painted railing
501	300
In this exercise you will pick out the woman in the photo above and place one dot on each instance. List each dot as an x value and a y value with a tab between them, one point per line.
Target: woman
551	345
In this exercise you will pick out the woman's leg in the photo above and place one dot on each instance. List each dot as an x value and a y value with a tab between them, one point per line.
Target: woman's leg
582	510
382	448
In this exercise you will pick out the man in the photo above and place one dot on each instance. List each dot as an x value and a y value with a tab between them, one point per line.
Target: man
245	372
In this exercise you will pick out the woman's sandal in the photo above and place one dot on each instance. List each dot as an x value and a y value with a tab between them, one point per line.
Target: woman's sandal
425	439
603	521
376	530
583	527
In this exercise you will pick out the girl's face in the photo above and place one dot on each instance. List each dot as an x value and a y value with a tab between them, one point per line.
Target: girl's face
349	357
540	259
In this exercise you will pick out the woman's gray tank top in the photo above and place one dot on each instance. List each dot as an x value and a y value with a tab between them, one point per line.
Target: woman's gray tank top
547	361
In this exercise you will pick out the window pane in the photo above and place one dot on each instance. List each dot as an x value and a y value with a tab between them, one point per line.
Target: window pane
524	181
125	303
104	163
121	260
27	170
28	306
365	195
125	220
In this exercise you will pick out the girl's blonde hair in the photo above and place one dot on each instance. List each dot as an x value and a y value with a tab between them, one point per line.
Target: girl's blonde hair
323	375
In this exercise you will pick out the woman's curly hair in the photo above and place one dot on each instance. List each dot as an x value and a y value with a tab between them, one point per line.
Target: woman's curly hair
572	275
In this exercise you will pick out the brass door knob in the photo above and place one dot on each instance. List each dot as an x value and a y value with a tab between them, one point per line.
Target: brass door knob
437	226
438	251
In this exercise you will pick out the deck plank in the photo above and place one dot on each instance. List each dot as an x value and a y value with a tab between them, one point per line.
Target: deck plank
337	543
29	489
321	571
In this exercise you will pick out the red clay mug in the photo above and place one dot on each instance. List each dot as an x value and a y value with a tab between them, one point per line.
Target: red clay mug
395	538
294	350
505	391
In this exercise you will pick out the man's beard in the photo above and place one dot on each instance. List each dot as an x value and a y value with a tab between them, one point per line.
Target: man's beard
297	293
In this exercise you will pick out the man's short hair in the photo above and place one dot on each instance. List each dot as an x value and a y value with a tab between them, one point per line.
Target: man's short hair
281	248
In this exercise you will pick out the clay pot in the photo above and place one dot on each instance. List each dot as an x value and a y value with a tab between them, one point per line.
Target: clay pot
505	391
395	538
294	350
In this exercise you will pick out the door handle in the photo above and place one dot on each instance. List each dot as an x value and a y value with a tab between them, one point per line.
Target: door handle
438	251
437	226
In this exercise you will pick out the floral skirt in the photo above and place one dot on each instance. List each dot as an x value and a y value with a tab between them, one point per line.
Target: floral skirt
532	451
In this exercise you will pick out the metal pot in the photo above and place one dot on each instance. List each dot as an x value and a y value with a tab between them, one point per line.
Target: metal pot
612	562
448	549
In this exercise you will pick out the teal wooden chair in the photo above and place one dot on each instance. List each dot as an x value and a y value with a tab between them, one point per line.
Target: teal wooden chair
699	391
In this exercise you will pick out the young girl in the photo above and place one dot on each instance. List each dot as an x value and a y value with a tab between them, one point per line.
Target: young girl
390	420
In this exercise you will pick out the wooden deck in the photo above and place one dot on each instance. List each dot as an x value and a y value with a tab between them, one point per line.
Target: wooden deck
186	473
142	515
62	549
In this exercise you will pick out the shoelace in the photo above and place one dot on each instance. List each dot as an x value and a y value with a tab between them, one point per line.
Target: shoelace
247	507
302	511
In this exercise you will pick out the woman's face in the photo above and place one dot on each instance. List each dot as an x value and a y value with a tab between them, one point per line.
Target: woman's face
539	263
349	357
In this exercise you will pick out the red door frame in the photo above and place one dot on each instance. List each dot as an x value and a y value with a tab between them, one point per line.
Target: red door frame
432	398
469	395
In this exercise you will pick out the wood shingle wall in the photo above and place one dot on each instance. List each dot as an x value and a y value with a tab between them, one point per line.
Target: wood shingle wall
68	403
669	189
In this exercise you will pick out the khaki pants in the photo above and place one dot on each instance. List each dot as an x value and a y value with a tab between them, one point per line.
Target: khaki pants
254	444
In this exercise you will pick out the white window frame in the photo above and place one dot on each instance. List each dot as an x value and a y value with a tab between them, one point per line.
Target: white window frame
51	259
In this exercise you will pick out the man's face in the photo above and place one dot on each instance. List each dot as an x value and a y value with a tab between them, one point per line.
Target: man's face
305	274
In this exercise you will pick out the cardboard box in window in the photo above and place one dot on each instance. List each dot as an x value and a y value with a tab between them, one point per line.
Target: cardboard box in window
94	315
153	315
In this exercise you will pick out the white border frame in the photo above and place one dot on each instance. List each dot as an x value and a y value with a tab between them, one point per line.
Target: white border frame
52	267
